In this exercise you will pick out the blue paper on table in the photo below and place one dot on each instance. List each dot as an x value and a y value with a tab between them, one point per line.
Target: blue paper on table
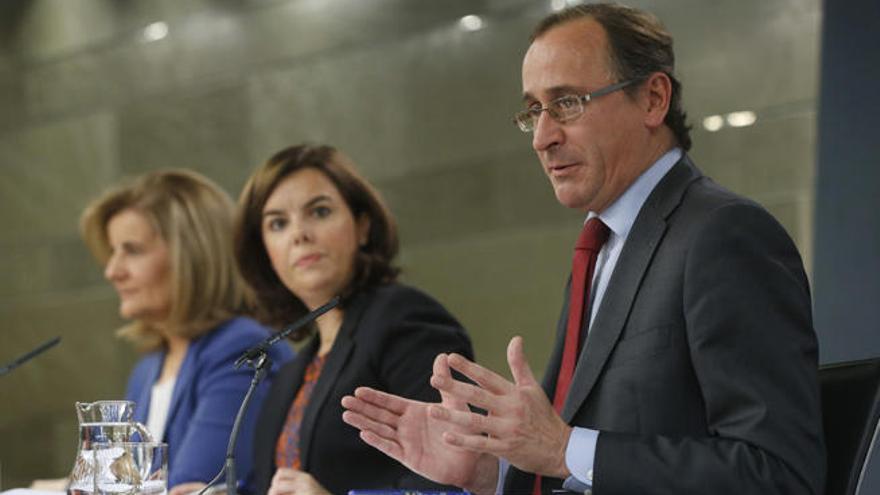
404	492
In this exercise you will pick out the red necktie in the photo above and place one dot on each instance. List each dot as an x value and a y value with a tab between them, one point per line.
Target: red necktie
586	250
584	263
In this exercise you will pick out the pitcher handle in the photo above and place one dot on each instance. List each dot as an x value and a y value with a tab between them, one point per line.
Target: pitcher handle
142	430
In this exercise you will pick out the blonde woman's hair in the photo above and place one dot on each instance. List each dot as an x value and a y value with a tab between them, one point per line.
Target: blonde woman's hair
194	217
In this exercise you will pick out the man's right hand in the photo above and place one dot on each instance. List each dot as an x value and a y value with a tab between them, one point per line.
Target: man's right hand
405	430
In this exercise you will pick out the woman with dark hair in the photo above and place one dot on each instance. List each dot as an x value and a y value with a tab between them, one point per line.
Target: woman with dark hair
310	228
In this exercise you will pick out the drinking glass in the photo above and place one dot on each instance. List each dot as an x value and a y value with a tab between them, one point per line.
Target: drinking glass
131	468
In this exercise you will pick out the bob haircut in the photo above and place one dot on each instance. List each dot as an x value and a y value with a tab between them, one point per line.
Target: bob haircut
276	305
194	217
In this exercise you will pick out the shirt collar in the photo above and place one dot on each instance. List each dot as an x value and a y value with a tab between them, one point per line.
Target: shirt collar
620	216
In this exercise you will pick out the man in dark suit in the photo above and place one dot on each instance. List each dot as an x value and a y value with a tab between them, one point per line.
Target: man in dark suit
696	369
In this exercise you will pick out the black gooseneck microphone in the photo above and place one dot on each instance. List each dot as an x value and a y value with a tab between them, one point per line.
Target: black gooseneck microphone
260	349
258	358
29	355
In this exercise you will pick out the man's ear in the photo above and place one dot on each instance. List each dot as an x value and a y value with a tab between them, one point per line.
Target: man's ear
657	96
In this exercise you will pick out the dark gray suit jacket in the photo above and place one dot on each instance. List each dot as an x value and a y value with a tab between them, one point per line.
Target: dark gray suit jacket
700	368
389	338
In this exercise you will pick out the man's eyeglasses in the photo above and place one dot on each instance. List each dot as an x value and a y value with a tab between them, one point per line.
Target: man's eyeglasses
565	108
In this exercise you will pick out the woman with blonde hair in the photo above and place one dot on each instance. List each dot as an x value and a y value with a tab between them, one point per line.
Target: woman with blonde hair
166	245
311	228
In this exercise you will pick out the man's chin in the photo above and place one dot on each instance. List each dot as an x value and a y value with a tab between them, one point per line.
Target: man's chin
569	199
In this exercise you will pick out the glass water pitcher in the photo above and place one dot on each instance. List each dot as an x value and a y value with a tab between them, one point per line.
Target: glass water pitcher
102	421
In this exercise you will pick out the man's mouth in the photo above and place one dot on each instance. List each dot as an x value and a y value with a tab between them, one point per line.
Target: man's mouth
560	169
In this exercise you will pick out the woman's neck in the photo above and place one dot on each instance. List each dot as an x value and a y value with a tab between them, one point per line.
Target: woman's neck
176	348
328	328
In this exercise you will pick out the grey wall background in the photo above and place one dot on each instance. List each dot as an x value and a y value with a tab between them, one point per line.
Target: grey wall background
424	108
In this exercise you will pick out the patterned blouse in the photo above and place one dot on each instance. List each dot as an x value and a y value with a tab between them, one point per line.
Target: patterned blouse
287	448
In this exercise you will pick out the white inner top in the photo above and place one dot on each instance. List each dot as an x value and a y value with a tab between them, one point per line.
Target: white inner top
160	403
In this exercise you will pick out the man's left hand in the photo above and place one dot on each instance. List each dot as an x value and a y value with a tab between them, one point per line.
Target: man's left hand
521	425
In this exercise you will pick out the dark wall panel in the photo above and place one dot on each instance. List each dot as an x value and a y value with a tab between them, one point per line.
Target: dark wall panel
847	246
847	256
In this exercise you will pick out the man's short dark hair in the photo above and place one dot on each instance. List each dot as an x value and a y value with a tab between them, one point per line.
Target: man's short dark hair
639	45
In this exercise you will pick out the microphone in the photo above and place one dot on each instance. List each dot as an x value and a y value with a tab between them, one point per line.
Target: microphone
260	349
258	357
29	355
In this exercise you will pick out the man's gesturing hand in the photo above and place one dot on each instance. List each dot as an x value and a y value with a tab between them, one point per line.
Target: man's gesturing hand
521	425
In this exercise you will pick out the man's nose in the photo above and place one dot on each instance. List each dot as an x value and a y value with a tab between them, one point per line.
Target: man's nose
547	132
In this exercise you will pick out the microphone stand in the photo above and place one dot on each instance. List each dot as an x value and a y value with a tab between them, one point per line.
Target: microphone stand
29	355
261	365
258	358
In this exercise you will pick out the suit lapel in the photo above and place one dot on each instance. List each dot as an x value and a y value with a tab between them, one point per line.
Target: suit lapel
336	361
184	380
151	374
644	237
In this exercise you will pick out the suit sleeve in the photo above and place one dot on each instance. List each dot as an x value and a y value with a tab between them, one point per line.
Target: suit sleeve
220	391
747	312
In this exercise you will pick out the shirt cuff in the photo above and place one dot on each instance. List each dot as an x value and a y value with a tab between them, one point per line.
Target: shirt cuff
502	473
579	457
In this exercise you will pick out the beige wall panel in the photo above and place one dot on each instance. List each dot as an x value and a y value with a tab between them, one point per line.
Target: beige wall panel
203	130
38	422
500	284
50	171
429	101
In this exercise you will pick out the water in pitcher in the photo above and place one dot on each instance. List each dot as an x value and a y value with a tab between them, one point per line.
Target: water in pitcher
101	422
